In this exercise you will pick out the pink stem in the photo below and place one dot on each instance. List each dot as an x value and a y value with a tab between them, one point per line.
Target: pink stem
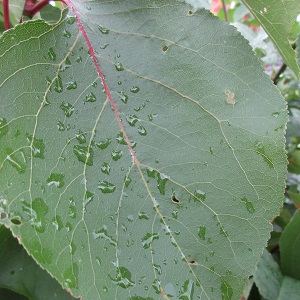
6	14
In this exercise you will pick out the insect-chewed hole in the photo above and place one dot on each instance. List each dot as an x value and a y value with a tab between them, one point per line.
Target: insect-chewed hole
174	199
3	215
191	262
16	221
165	48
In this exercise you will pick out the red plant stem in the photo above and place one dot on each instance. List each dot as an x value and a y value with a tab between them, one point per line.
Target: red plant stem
6	14
101	76
31	8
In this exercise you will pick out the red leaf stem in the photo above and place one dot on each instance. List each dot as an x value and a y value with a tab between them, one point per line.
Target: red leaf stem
6	14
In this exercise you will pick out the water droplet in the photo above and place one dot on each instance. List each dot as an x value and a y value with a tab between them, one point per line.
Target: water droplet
56	180
199	195
132	119
17	160
79	59
116	154
123	97
71	20
58	86
88	198
51	54
104	46
103	30
106	187
260	149
3	127
57	223
130	218
84	154
161	182
88	8
70	276
68	108
156	286
90	97
175	214
105	168
151	173
148	239
103	144
135	89
67	34
128	180
72	85
102	234
165	48
120	138
64	66
226	290
143	215
223	231
37	146
142	130
119	66
72	208
186	291
211	150
81	137
123	278
157	268
275	114
201	232
249	205
60	126
119	82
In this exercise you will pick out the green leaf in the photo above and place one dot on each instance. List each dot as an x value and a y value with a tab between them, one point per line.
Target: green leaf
277	18
271	283
178	204
290	246
20	273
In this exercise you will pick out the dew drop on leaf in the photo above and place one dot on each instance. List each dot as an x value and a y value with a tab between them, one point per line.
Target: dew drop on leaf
116	154
103	30
119	67
148	239
84	154
72	85
51	54
199	195
142	130
56	179
3	127
90	97
106	187
135	89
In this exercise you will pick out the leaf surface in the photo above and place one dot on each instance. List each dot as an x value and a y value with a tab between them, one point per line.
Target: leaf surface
277	18
164	185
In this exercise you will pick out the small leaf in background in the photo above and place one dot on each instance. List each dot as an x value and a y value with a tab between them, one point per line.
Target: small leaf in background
20	273
290	248
271	283
277	18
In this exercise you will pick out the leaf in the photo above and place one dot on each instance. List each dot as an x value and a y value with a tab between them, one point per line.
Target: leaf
289	247
271	283
163	185
277	18
20	273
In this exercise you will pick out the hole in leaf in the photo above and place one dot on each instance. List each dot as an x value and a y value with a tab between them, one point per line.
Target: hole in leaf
174	199
165	48
190	12
3	215
191	262
16	221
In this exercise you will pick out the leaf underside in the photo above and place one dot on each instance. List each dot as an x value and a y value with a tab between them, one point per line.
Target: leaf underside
188	216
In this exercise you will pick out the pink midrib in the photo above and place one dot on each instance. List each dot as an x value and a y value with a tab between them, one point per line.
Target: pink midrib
101	76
